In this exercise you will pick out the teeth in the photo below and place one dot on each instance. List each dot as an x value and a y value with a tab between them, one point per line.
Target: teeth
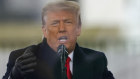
63	40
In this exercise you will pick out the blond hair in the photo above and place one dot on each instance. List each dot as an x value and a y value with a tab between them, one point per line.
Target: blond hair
62	5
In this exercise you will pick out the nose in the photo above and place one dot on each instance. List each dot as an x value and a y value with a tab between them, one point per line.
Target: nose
62	27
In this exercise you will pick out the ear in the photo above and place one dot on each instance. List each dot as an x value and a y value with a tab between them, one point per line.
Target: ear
44	31
78	30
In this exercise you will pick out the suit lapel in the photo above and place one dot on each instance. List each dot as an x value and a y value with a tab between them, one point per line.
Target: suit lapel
47	54
47	59
78	62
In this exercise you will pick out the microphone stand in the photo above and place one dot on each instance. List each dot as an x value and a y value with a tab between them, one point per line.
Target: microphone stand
63	56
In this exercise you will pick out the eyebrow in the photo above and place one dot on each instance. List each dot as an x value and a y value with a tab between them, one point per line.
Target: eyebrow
67	20
63	20
55	20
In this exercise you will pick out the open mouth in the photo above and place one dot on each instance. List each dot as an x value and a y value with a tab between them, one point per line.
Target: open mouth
63	39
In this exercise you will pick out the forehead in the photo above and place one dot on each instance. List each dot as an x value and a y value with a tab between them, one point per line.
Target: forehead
60	14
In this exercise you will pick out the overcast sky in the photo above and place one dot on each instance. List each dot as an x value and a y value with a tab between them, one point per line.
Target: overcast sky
123	12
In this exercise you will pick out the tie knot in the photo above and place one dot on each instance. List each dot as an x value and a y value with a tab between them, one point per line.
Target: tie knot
68	60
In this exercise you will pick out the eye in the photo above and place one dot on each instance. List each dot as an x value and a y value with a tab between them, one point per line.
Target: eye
68	22
54	23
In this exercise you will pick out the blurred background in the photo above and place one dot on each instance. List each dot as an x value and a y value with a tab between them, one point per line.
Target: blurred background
111	26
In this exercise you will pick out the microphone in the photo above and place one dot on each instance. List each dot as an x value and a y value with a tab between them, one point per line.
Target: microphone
62	52
62	49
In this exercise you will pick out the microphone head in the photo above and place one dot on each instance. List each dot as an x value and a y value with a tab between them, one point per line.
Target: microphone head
61	48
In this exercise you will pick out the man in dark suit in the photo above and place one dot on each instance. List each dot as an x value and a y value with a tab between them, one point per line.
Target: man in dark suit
61	26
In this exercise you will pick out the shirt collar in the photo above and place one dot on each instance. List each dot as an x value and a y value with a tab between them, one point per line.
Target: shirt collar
71	55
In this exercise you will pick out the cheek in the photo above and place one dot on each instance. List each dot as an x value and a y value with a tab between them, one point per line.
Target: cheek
73	35
51	33
74	32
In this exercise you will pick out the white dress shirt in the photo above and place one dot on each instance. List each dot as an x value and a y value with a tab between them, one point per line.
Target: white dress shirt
71	62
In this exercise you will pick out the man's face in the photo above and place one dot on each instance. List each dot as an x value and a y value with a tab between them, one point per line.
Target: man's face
61	27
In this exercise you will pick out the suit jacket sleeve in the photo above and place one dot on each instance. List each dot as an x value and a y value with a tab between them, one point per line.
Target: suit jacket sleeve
107	74
10	65
12	58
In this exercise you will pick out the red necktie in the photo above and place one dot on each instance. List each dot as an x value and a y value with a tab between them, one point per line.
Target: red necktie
67	65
